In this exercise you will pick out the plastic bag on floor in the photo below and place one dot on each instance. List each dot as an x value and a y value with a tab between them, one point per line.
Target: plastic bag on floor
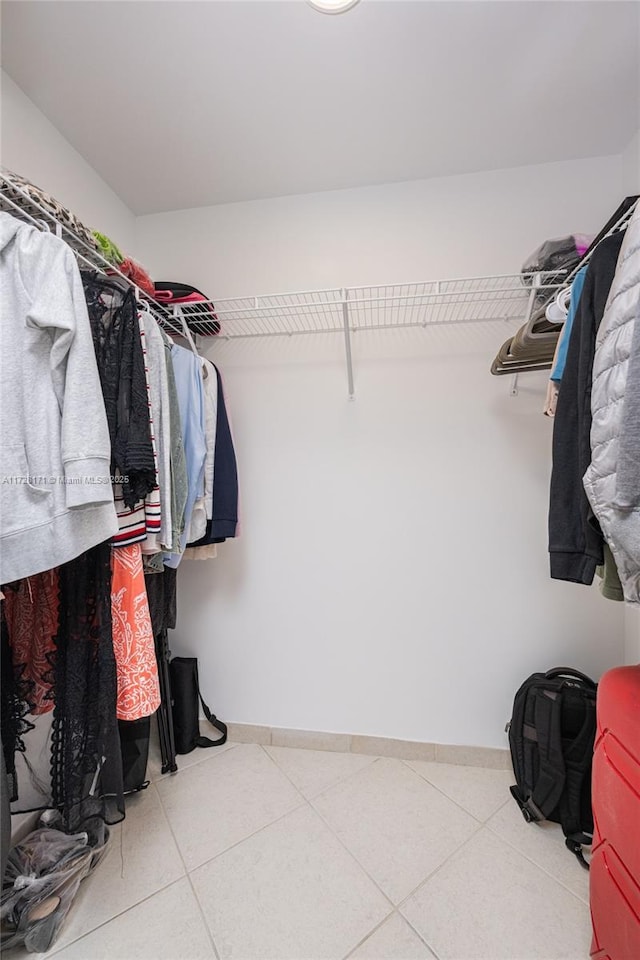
41	880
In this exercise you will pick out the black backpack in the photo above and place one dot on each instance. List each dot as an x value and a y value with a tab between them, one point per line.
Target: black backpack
551	736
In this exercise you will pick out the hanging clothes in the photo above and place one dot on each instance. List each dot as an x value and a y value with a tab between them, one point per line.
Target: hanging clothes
224	505
203	507
31	611
15	703
187	369
158	381
612	480
575	539
560	357
551	399
86	766
207	552
137	669
55	494
610	586
152	505
116	337
162	596
179	479
132	522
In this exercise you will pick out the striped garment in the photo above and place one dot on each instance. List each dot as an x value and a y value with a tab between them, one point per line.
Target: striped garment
132	522
142	523
152	509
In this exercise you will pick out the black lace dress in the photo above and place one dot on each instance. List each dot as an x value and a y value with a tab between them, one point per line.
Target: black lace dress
116	337
85	775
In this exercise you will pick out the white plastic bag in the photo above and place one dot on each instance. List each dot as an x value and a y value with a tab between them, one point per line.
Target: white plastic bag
41	879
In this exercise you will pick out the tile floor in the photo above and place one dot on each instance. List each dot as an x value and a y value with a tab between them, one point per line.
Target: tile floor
275	853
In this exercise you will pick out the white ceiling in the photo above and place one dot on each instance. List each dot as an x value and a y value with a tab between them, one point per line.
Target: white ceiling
181	104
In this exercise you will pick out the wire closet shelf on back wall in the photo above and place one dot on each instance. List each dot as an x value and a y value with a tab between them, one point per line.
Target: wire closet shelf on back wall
506	298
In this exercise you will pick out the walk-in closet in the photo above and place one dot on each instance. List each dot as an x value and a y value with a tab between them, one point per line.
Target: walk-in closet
319	490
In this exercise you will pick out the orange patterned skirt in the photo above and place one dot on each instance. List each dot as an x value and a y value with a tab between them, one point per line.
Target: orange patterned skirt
138	686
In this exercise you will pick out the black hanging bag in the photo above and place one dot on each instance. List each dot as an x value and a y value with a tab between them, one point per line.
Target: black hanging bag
551	736
134	749
185	695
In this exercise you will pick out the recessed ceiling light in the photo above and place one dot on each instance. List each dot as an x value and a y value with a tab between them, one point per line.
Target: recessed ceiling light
332	6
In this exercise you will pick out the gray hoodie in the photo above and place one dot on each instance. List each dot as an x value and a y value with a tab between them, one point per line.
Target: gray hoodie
56	499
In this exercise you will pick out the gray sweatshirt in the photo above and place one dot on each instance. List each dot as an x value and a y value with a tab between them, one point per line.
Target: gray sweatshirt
56	499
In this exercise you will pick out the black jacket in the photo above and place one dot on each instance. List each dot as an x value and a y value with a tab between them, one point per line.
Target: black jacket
225	481
575	539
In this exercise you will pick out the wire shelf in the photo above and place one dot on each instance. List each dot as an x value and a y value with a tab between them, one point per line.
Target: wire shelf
15	200
471	300
503	298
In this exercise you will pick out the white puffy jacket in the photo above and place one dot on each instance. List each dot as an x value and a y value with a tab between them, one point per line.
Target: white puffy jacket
612	481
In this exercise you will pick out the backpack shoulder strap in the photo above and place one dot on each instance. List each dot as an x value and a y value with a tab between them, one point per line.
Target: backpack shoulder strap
213	720
578	758
549	786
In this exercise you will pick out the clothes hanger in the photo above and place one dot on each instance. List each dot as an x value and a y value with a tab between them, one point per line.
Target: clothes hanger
557	310
514	359
178	314
500	369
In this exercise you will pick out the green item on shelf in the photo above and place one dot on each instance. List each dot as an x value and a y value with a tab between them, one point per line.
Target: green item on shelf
108	249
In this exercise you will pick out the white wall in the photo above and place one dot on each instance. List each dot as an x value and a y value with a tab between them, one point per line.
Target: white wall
632	634
631	165
391	577
34	148
420	230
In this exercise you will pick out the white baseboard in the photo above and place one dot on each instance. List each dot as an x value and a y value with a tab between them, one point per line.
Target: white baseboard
488	757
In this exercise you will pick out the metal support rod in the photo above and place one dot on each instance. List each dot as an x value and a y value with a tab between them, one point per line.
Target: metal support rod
514	385
347	343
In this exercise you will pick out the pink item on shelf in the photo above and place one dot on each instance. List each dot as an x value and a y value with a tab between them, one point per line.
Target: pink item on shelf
583	241
197	309
166	296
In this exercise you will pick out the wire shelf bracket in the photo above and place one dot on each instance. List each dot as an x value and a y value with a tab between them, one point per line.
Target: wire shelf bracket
504	298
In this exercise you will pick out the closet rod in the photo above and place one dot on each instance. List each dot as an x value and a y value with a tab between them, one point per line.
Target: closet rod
25	215
92	258
618	225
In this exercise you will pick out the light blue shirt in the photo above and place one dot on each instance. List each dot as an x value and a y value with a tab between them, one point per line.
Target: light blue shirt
565	333
187	369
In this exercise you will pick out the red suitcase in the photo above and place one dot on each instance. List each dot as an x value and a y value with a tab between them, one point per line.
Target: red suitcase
615	862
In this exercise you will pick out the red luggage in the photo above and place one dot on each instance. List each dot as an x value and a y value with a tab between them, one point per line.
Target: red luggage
615	862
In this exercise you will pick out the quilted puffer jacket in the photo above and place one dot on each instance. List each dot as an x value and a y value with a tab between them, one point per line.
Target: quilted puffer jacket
612	481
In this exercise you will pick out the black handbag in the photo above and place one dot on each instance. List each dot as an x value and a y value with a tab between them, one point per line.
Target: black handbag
185	694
